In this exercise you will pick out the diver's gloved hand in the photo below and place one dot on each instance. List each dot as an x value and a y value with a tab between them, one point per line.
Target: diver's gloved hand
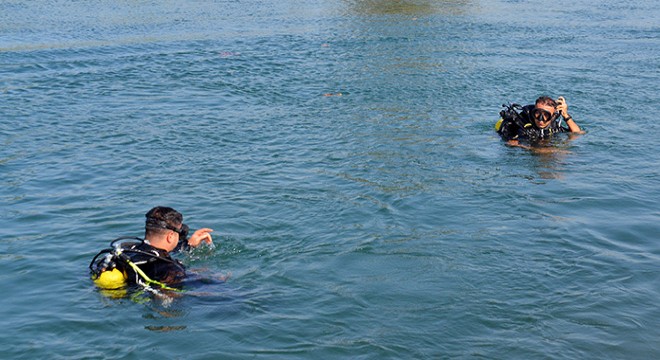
562	107
200	235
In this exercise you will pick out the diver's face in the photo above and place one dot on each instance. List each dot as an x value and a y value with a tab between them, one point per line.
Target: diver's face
543	115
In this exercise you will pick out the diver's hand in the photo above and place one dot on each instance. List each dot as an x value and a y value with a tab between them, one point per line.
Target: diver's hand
516	143
200	235
562	107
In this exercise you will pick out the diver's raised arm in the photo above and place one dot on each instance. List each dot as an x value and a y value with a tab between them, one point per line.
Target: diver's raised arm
562	107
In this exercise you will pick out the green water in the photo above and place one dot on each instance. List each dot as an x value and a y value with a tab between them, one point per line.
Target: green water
388	222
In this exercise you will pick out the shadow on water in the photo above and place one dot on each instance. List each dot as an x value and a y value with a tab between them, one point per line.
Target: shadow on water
165	311
405	7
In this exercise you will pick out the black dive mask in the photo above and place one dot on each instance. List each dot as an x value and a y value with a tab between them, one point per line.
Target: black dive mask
541	115
183	232
160	224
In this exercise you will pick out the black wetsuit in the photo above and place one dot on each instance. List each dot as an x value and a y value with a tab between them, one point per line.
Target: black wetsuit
523	128
157	264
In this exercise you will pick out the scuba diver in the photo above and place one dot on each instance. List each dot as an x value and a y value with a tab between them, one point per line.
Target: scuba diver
147	262
533	123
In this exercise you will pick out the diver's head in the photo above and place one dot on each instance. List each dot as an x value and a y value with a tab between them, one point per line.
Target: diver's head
164	227
544	112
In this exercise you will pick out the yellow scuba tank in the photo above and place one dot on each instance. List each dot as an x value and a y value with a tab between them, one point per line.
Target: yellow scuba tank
498	124
110	279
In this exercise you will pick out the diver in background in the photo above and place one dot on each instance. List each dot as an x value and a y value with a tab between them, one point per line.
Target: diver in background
535	122
148	261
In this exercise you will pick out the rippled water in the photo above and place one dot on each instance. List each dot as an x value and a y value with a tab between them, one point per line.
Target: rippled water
344	153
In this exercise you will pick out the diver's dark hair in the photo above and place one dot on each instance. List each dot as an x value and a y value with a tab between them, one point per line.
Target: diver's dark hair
546	100
160	217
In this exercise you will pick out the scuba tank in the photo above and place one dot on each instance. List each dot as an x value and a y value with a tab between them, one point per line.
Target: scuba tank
109	272
110	278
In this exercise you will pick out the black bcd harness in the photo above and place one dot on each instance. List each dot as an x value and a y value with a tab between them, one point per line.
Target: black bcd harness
119	256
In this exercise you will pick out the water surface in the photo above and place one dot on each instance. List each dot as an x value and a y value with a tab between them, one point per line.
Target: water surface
344	153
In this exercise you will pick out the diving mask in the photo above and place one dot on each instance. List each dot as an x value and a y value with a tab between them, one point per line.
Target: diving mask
542	115
160	224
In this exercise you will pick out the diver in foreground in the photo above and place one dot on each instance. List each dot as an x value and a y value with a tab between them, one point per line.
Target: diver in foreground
533	123
147	262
